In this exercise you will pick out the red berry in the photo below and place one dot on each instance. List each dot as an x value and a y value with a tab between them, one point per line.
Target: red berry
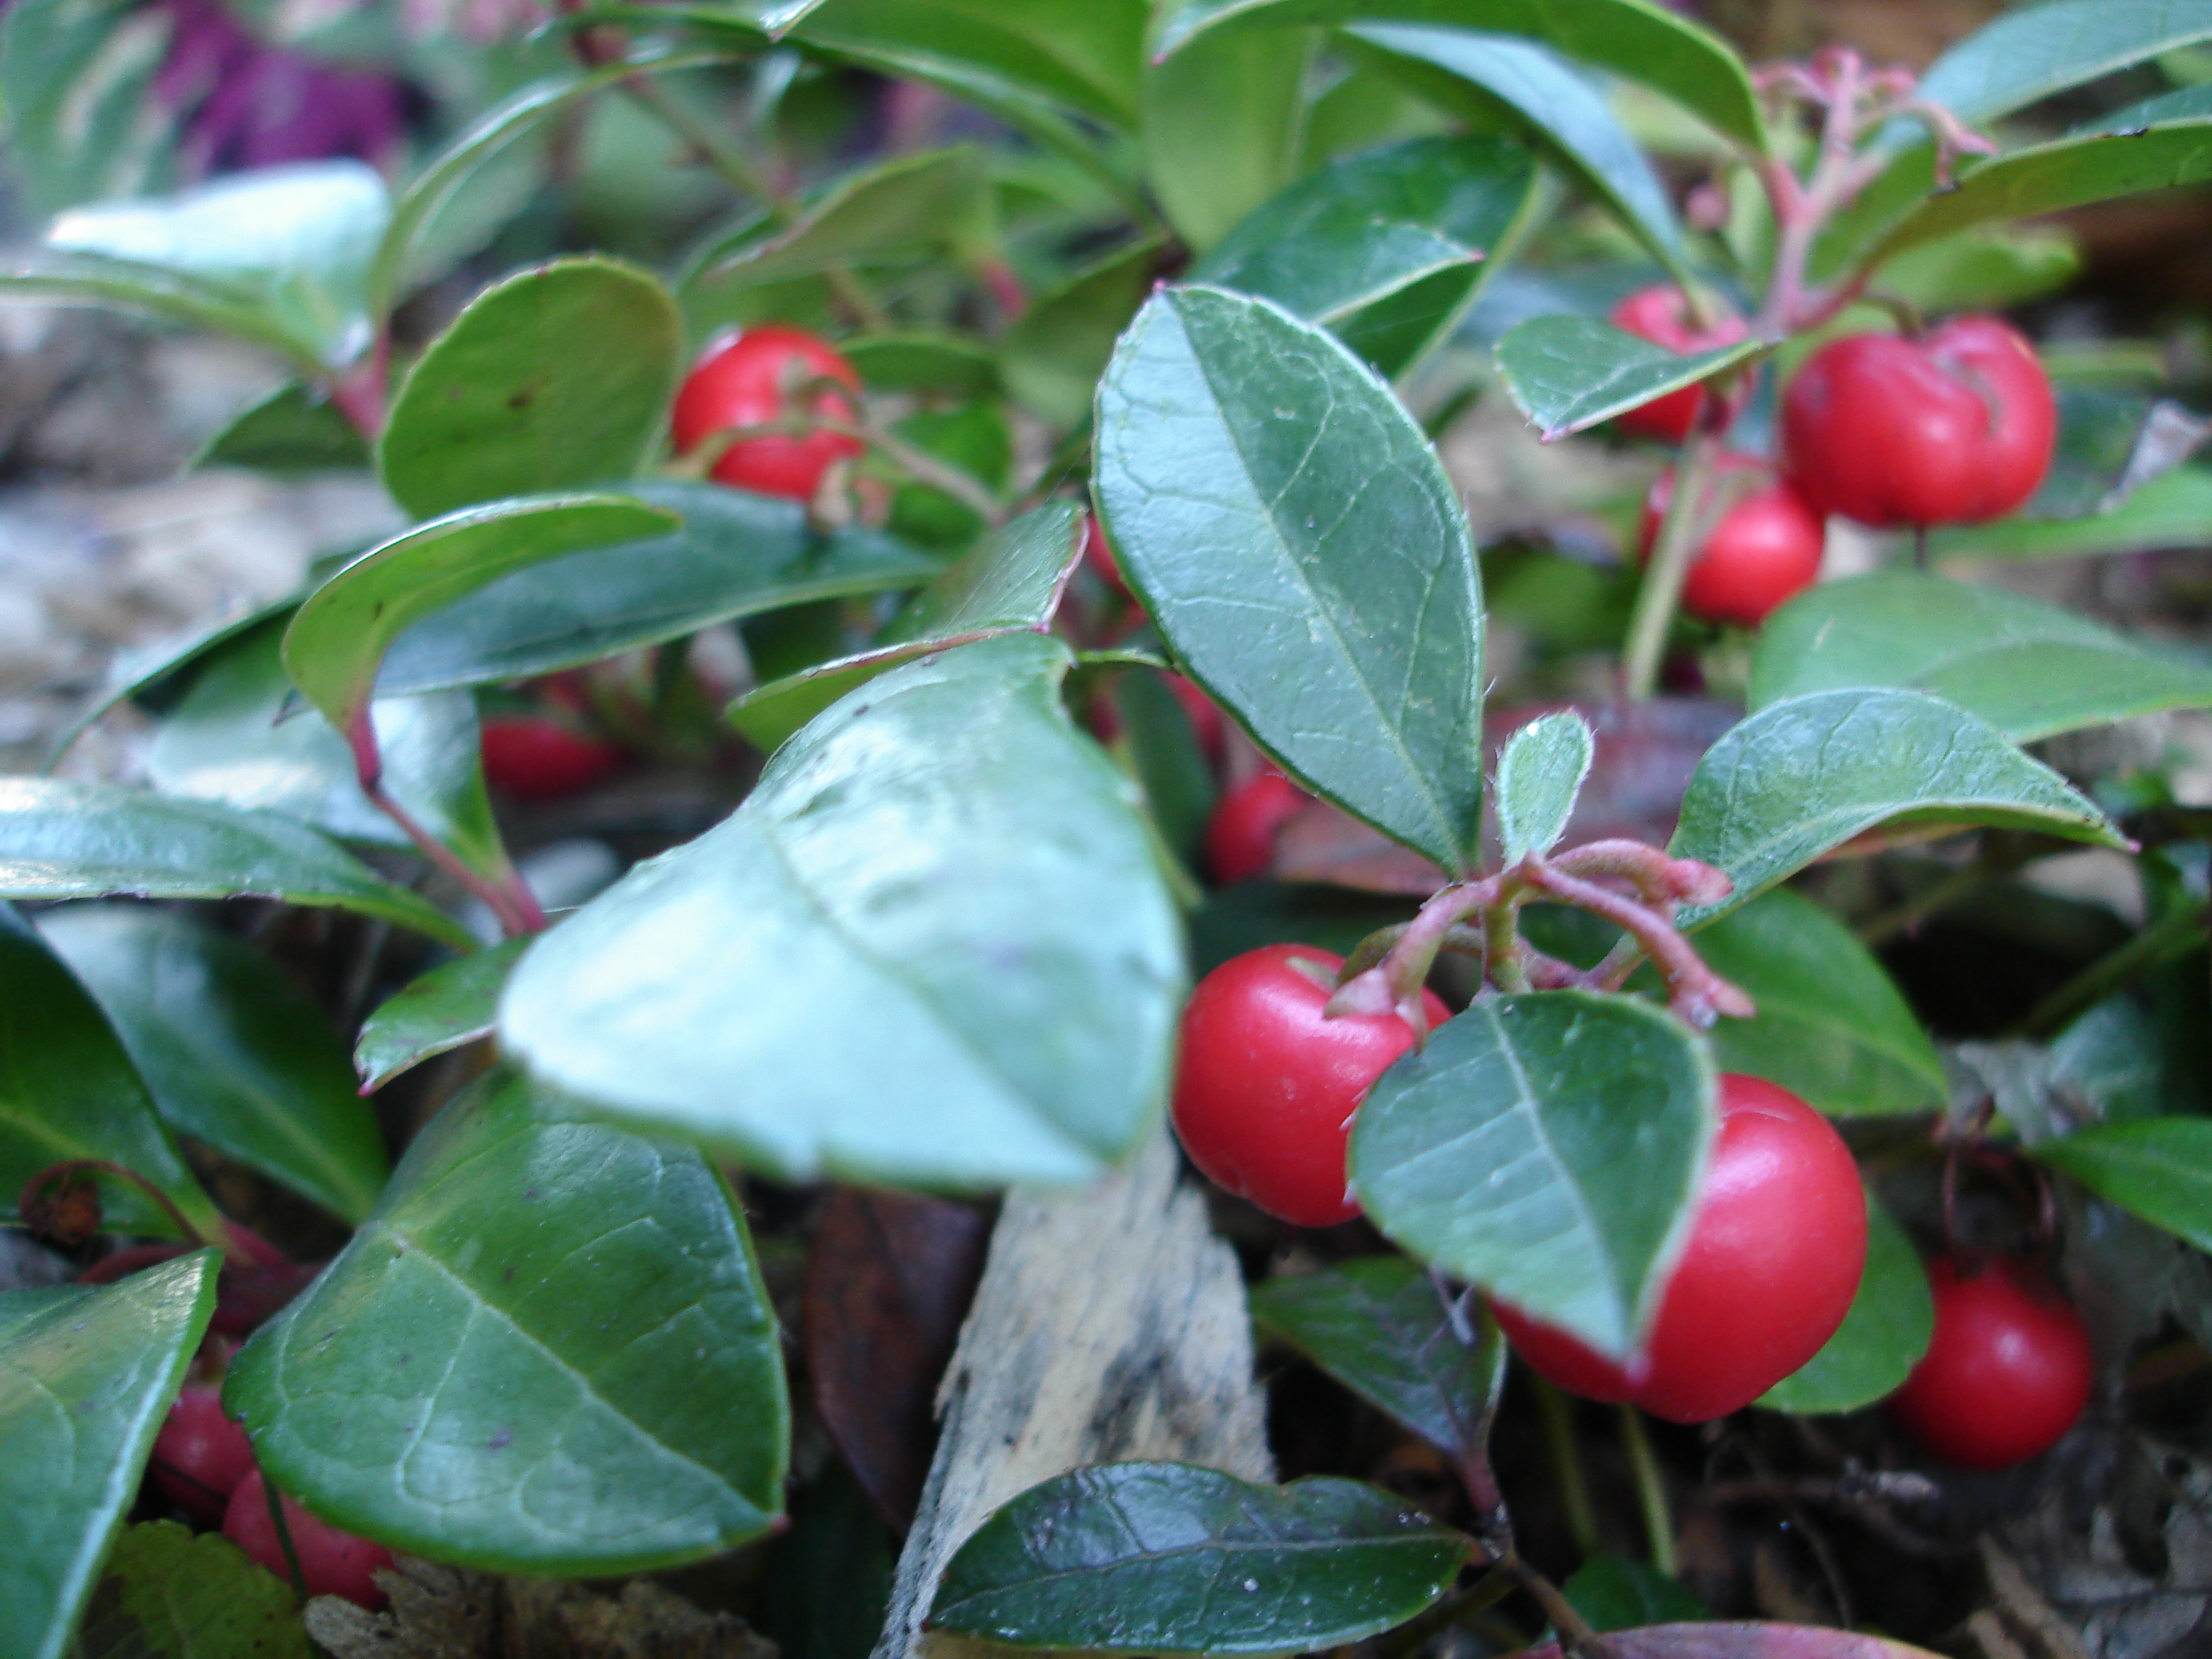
1240	837
1265	1087
332	1562
2008	1369
1953	428
1774	1258
1100	557
534	757
200	1456
1765	548
749	381
1661	314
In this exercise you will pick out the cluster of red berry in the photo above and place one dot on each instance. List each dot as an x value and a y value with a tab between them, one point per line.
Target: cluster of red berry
1953	427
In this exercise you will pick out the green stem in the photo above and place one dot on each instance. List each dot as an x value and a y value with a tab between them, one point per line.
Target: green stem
1558	1413
1671	558
1651	1491
1938	895
284	1536
2172	935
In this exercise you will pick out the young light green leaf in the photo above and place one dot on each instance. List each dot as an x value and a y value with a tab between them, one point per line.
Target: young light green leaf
1643	41
2157	1168
1548	1147
577	1369
65	840
167	1594
1559	105
2030	53
1881	1338
291	430
557	378
1052	357
908	209
1570	373
337	638
2030	669
735	555
235	1054
1011	581
70	1091
1803	776
941	848
1338	244
85	1375
1378	1325
1296	540
1221	125
1170	1557
1538	775
453	1004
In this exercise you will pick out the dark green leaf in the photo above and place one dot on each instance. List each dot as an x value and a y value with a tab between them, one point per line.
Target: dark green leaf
1221	126
576	1368
290	430
1235	919
1546	1147
69	1092
736	555
1052	358
448	1006
1294	536
2030	53
2030	669
337	638
1556	103
1612	1592
940	848
166	1594
1643	41
1164	755
235	1054
1538	775
1339	243
558	378
1010	581
1570	373
64	840
911	207
2172	510
1881	1338
922	362
1803	776
85	1375
1169	1558
1377	1324
2157	1168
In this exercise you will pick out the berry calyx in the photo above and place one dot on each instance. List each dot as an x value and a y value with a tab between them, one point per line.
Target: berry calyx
1240	837
1776	1251
1265	1087
536	757
332	1562
1953	428
2007	1370
1765	548
752	380
1661	314
200	1456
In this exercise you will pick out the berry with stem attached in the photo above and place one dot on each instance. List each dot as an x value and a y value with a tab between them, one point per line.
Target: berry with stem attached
2007	1370
1765	547
1661	314
754	380
332	1562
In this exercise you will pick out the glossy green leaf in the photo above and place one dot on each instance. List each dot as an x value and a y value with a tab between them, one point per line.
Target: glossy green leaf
337	638
907	209
1170	1557
2157	1168
1832	1025
1881	1338
1051	358
942	849
1558	104
1293	534
1010	581
558	378
947	363
548	1350
1570	373
167	1594
1644	41
1613	1592
86	1374
1221	127
1538	775
156	675
234	1053
65	840
2030	53
1379	1325
1803	776
290	430
736	555
1340	243
238	736
1158	746
70	1091
2030	669
2172	510
1548	1147
453	1004
294	241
